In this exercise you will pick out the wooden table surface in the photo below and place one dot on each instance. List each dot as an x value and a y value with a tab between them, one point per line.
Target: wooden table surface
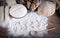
54	21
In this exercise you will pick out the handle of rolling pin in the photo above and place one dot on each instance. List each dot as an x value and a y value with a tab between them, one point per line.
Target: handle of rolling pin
45	30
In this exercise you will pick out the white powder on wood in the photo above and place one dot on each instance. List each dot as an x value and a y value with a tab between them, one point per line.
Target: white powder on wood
32	21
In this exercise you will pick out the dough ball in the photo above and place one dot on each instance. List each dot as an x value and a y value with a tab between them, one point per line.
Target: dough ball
47	8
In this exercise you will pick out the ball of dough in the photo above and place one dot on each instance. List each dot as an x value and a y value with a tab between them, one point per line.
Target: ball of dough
46	8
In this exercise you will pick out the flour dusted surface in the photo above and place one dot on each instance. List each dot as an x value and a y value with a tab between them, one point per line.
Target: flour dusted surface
32	21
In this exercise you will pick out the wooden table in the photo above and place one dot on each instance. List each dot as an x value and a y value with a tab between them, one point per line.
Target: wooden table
54	21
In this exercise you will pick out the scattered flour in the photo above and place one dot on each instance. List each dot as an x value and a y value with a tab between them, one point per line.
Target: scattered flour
24	26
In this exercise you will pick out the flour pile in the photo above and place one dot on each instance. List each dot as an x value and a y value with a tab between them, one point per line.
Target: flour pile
27	25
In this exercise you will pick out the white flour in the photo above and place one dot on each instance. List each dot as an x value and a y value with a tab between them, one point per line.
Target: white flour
30	22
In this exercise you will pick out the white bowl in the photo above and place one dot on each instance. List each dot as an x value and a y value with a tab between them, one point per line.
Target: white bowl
18	10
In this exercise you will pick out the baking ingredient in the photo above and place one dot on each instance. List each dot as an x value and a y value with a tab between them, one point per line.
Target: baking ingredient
18	10
47	8
32	21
